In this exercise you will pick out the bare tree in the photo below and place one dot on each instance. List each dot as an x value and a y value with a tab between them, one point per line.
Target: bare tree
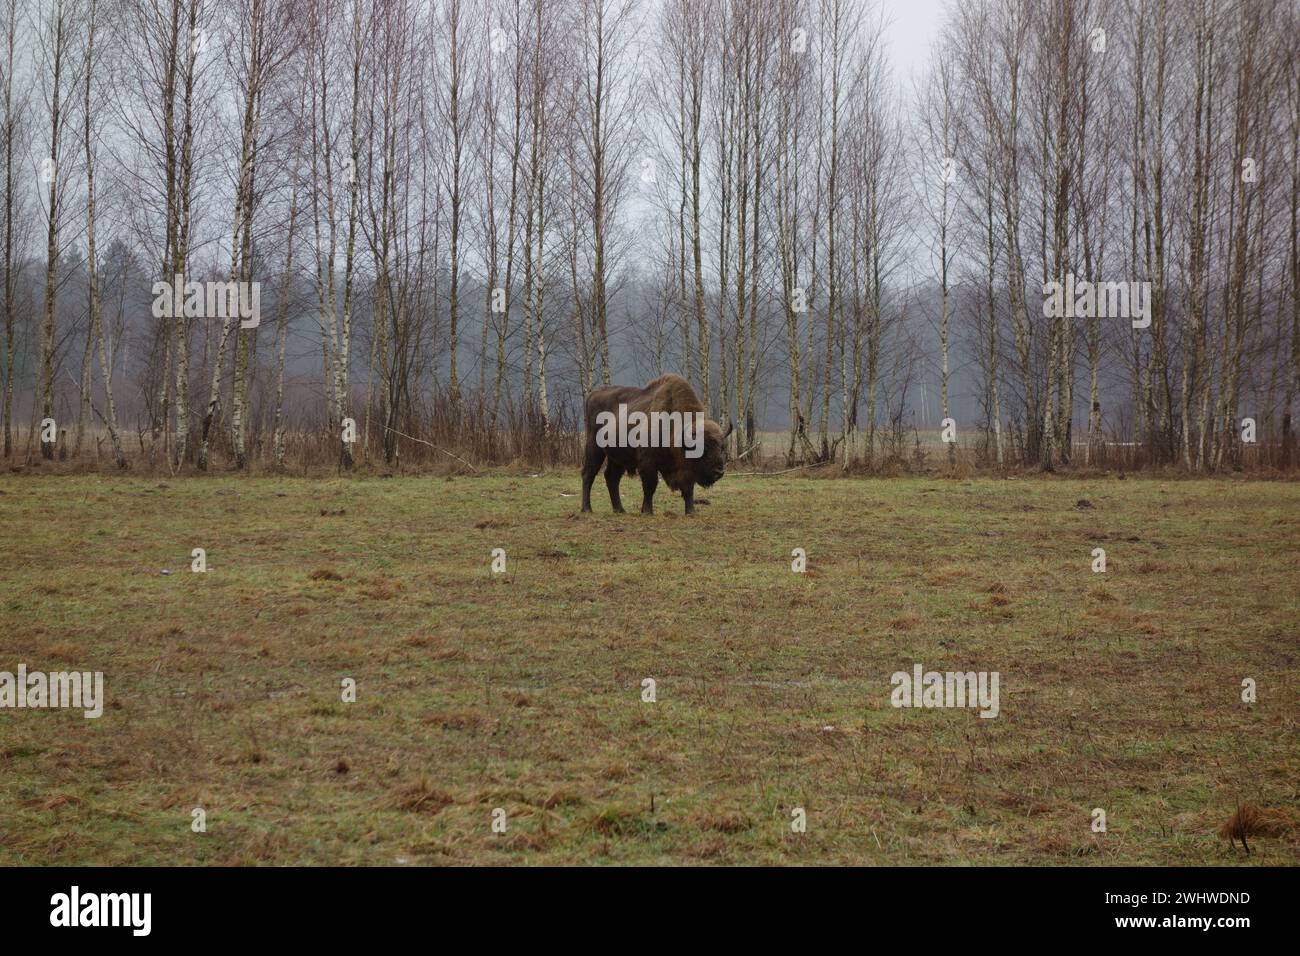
59	28
605	105
95	336
13	129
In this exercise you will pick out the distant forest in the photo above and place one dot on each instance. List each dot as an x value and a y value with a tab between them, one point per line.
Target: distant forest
462	215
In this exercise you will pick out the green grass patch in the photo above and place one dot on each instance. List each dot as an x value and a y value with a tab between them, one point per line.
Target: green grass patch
523	691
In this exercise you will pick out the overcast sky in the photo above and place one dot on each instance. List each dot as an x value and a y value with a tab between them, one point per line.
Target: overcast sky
912	28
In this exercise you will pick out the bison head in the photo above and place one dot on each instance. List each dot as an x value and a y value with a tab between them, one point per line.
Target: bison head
710	466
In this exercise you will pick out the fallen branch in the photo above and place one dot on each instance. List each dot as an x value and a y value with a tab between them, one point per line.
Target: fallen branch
433	446
773	474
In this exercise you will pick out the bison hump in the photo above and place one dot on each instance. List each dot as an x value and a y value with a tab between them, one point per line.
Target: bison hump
672	393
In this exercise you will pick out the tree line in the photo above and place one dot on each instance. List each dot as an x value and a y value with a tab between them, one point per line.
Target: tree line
463	215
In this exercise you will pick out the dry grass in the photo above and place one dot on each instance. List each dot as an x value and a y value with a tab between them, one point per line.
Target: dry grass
522	691
1249	822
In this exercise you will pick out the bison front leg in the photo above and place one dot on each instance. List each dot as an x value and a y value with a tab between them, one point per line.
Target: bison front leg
688	495
649	482
613	475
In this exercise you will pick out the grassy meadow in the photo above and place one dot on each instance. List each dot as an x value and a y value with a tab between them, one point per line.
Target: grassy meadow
522	691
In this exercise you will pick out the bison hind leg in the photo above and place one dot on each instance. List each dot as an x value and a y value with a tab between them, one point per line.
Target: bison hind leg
593	457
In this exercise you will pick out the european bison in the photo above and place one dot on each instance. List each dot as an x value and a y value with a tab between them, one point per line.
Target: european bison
685	457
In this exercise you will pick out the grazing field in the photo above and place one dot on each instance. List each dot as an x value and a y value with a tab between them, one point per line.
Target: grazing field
523	690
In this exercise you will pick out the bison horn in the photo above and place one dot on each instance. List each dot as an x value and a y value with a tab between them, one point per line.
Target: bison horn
730	426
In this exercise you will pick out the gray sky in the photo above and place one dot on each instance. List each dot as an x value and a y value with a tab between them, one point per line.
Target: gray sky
912	28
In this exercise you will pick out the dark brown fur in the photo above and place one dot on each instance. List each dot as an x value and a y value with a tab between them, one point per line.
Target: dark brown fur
667	393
